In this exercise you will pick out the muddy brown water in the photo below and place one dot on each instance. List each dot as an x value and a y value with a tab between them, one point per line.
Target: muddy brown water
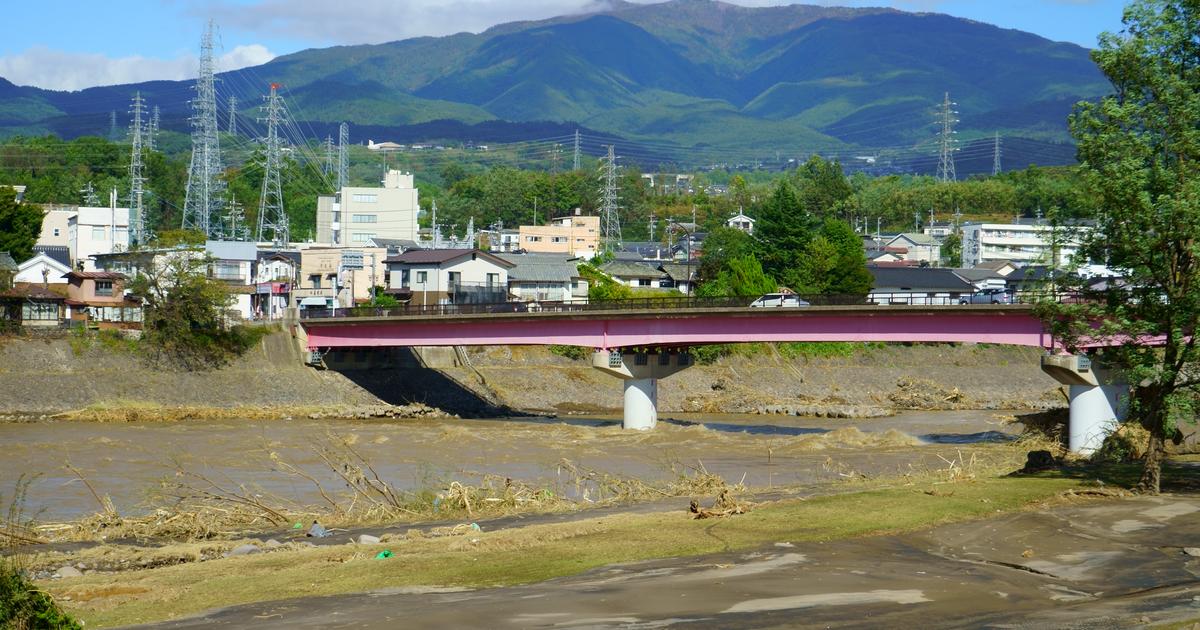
128	461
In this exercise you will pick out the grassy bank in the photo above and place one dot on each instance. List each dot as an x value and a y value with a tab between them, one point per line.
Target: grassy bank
539	552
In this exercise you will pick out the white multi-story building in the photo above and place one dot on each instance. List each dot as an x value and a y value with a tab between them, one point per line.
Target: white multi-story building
356	215
1016	242
93	231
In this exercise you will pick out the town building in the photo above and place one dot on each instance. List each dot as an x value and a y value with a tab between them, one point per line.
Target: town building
545	278
741	222
274	276
1022	243
923	286
31	306
636	274
681	276
339	276
354	216
97	299
93	231
577	236
915	247
41	269
448	276
56	226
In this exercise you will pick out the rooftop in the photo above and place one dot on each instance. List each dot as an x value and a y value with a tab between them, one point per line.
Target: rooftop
442	256
923	278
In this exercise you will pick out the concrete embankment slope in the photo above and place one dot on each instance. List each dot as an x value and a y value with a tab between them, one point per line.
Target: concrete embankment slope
54	375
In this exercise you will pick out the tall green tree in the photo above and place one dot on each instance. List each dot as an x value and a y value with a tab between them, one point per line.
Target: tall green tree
822	187
849	275
741	276
1140	153
720	246
952	250
20	224
783	230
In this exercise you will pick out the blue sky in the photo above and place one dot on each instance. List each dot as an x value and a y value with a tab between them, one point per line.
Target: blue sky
71	44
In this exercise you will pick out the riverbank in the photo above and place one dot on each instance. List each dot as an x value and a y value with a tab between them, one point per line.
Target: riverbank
55	377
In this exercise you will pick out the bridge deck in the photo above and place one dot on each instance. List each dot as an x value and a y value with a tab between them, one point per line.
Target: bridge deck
1001	324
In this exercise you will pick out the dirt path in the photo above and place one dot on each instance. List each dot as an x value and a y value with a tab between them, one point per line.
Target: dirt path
1117	563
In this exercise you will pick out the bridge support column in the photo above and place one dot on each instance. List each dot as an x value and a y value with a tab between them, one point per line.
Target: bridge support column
640	372
1096	408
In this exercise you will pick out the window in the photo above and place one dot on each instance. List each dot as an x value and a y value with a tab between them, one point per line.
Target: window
455	276
98	233
643	282
56	233
39	311
533	239
558	239
104	288
404	277
364	218
315	279
493	279
121	234
365	197
361	237
227	271
422	277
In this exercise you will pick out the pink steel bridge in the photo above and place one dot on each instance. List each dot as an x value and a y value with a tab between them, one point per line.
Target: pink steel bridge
1013	324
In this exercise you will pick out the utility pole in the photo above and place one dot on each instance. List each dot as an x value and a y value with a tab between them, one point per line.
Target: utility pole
137	216
917	221
271	216
343	169
576	167
996	154
653	222
233	115
946	143
610	221
202	199
112	125
236	218
152	131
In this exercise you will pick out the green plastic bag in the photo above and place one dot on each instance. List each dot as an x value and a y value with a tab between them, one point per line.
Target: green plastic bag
386	553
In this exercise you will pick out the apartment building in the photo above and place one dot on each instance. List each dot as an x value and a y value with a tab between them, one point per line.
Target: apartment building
356	215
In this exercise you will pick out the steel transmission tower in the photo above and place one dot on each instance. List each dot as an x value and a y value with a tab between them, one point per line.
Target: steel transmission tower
203	197
327	165
233	115
946	142
152	130
343	168
137	212
996	155
272	220
610	221
576	167
90	199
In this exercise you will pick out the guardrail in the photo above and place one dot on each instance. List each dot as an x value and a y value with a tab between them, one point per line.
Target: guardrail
654	304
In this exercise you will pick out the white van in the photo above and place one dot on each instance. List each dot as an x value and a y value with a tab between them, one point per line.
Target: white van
779	300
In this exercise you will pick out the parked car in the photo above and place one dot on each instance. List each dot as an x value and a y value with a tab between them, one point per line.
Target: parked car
779	300
988	296
509	307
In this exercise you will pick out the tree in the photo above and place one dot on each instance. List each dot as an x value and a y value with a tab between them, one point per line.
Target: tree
720	246
20	225
952	250
741	276
783	230
822	187
1140	153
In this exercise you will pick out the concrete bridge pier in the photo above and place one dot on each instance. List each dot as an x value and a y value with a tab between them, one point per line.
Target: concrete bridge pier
1096	407
640	372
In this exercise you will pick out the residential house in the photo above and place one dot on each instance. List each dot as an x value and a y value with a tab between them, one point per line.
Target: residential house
40	270
59	253
500	241
545	278
917	285
1001	267
232	263
56	226
93	231
449	276
339	276
938	229
576	236
681	276
920	248
32	306
97	298
643	250
741	222
635	274
982	278
356	215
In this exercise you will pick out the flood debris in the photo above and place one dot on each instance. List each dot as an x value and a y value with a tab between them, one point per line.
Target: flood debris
725	505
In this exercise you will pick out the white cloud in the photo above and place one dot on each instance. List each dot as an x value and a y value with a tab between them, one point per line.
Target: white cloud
57	70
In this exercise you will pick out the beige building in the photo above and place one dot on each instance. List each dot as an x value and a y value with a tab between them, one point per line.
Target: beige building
576	235
324	277
356	215
54	226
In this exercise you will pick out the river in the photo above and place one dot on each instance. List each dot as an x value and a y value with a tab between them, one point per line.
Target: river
128	461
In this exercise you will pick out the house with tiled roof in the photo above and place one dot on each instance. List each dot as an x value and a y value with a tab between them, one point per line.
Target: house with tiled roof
448	276
97	299
917	285
31	306
545	278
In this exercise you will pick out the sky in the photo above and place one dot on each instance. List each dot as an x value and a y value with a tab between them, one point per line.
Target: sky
73	44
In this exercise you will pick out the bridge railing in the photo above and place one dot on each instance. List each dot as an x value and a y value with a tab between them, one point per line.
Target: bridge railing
664	304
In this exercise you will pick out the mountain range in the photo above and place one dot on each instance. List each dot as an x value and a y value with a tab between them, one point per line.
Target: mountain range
694	76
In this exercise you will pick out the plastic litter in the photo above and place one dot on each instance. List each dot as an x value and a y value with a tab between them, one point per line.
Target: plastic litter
317	531
298	525
386	553
476	527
